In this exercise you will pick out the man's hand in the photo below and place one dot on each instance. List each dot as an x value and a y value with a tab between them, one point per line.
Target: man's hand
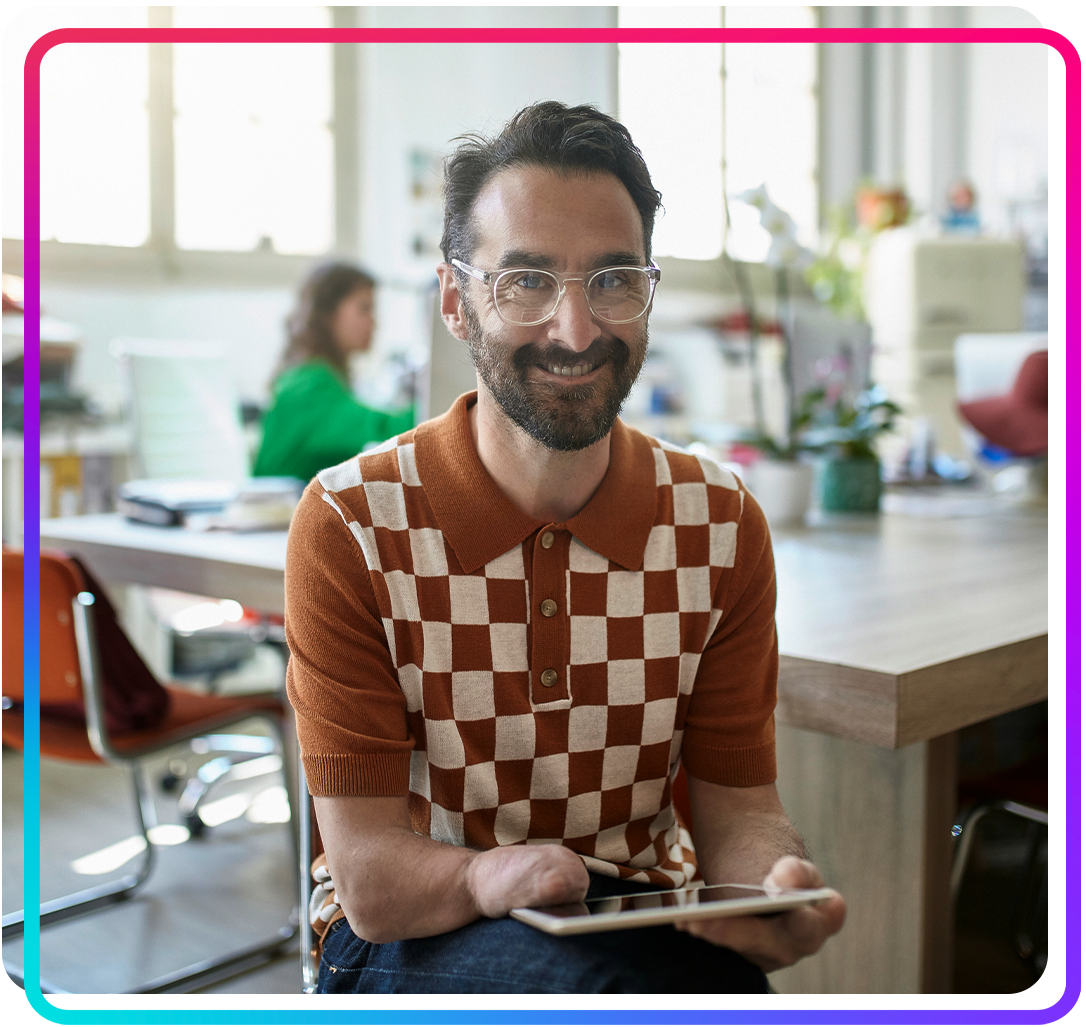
511	876
776	941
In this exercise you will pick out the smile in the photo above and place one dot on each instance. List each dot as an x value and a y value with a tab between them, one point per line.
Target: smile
576	371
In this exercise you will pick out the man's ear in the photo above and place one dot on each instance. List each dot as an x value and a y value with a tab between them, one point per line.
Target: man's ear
452	307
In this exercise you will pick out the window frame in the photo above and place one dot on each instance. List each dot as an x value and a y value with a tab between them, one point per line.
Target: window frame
158	261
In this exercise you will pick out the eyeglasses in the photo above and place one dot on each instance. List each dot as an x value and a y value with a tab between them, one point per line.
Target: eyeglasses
529	296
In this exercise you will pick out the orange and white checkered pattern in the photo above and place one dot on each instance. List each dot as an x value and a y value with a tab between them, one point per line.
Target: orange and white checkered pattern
558	726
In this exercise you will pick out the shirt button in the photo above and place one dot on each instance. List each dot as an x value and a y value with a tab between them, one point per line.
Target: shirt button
548	607
548	677
547	540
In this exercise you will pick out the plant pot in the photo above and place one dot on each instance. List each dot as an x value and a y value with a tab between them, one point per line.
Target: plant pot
849	485
782	489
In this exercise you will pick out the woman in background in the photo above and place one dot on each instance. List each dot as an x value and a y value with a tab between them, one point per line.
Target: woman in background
315	420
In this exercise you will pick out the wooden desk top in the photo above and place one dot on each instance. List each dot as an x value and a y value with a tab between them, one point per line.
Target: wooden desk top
892	630
899	629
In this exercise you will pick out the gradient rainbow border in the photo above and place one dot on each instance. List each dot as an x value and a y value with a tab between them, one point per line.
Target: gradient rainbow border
32	784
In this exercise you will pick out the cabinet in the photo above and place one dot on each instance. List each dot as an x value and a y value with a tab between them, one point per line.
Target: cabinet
922	293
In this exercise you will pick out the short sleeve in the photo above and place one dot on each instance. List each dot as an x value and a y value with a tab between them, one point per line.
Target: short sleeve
729	735
351	712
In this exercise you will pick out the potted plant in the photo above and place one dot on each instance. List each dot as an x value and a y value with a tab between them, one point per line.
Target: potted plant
843	433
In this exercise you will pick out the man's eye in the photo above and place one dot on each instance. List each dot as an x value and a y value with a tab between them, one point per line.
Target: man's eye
529	280
611	280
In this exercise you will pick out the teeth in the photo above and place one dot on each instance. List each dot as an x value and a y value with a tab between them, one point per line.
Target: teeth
573	372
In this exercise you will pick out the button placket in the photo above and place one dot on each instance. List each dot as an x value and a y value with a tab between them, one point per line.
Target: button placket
550	629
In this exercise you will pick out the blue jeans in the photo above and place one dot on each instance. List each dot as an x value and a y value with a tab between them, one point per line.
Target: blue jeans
506	956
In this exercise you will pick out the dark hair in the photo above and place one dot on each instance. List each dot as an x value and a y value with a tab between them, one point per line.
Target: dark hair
309	326
547	135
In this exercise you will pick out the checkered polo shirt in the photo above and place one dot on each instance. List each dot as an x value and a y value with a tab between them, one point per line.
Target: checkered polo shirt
526	682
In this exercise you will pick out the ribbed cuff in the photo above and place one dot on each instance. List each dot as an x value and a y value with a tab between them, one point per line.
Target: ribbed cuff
369	774
737	768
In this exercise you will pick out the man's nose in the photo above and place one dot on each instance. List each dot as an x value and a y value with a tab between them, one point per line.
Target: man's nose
573	324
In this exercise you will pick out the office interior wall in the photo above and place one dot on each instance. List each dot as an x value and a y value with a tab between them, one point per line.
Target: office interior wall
419	97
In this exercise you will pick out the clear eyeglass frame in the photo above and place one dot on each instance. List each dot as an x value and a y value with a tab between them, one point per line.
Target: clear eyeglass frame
492	278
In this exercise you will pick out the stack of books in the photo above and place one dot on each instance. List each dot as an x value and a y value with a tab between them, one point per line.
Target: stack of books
253	504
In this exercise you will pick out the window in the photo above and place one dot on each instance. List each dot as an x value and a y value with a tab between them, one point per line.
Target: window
253	125
95	155
670	98
715	120
770	127
193	144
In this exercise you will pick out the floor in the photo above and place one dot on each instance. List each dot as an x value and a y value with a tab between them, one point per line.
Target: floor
235	885
207	896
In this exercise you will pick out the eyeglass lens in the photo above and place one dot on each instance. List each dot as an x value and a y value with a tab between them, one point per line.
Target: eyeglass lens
614	294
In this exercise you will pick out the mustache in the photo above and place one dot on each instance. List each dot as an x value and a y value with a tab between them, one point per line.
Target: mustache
601	350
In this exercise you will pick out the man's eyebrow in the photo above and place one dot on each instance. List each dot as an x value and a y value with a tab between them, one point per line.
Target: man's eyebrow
527	258
623	258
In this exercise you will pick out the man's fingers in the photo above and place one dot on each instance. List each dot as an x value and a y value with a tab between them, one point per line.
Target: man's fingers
792	872
777	941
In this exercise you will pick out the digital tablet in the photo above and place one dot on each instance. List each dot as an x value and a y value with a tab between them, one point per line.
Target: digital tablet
644	909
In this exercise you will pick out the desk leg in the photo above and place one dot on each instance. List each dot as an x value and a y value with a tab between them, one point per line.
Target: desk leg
877	822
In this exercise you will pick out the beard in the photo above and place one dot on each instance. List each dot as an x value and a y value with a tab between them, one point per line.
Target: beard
563	417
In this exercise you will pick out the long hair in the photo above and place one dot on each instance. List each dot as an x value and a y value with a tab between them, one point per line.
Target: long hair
548	135
309	325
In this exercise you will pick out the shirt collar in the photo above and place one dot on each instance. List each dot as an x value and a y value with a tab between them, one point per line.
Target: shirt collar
480	523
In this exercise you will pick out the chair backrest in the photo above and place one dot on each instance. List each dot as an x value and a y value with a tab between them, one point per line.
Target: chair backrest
986	364
13	625
183	403
61	678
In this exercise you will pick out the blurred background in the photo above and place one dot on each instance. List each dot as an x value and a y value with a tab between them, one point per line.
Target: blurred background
186	190
854	252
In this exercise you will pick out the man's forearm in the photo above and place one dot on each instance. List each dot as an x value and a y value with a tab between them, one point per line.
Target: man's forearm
393	883
740	833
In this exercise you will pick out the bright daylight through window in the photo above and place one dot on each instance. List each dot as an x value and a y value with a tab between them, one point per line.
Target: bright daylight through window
705	135
252	122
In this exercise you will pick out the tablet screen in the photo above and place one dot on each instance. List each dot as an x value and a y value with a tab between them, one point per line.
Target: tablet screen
661	899
643	909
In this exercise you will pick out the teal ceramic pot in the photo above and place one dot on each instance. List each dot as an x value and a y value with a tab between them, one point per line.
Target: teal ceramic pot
849	485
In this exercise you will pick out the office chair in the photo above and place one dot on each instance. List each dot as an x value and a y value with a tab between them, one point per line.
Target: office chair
183	406
1014	788
71	670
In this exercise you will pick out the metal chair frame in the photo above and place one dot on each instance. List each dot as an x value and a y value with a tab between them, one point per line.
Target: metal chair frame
1023	941
308	951
86	901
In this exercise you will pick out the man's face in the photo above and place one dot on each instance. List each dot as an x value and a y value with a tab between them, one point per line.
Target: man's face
564	381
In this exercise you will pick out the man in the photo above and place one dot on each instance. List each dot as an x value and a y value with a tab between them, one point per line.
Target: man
509	624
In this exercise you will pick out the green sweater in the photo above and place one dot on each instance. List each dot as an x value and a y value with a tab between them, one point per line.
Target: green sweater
315	422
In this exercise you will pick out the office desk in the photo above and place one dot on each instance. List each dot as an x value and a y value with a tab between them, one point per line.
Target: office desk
894	632
247	567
